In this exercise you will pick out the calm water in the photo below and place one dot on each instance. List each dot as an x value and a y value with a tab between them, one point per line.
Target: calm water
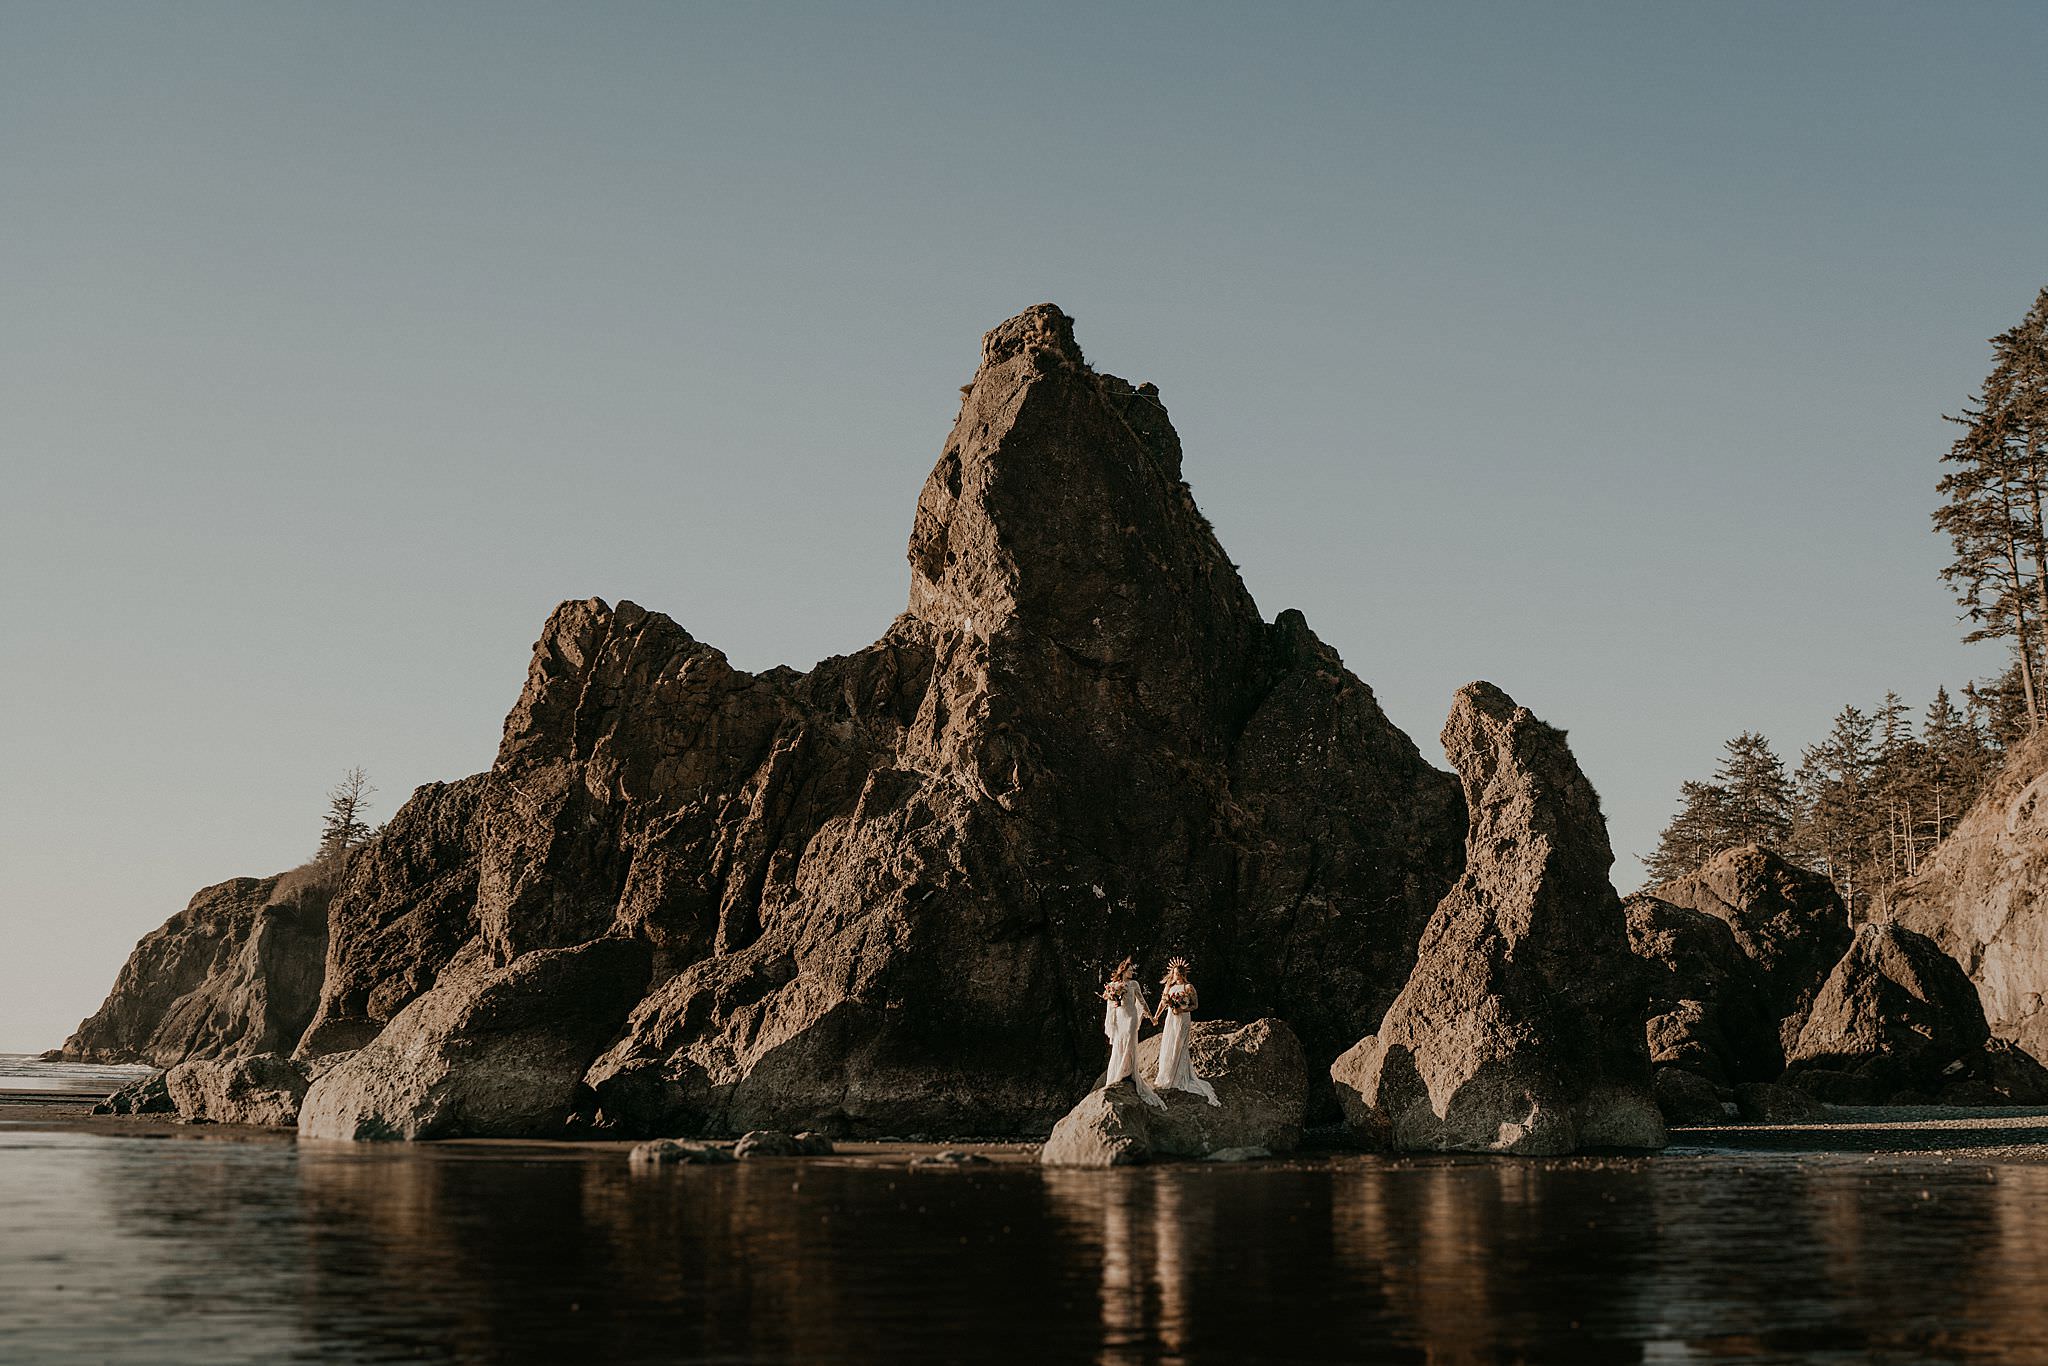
219	1250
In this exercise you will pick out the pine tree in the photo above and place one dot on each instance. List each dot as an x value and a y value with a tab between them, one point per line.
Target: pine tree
1834	780
1758	802
1697	833
1955	760
345	831
1898	782
1993	508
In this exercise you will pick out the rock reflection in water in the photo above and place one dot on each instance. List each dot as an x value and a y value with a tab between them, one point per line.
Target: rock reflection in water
116	1250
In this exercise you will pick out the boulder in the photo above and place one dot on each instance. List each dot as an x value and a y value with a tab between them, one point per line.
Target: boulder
2002	1070
1707	1009
488	1051
1520	1029
669	1152
1833	1087
1686	1099
236	972
1260	1076
1982	895
767	1143
146	1096
1896	1010
265	1089
1788	920
1763	1102
407	905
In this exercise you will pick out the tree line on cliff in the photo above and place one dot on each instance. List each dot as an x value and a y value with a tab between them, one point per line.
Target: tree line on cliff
1868	802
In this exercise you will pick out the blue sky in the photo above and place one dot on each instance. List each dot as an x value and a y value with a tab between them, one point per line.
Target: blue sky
1598	350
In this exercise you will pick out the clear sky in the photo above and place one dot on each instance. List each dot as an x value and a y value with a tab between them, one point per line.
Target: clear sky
1598	351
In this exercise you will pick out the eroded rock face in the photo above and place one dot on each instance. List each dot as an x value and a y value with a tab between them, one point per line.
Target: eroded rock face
1707	1011
236	972
1787	919
1983	897
1261	1080
487	1051
1896	1010
264	1088
879	896
407	906
1520	1029
882	893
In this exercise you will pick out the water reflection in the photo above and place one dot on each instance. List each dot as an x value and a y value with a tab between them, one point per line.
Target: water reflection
120	1250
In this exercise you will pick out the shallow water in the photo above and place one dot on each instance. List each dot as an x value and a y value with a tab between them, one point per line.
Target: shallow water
219	1249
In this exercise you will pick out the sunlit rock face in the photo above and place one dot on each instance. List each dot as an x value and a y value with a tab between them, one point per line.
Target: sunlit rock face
1521	1028
1983	897
237	972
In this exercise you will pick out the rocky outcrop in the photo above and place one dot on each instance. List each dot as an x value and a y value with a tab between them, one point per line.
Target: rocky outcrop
1520	1029
879	895
1261	1080
1707	1008
236	972
1983	897
407	905
144	1096
1896	1010
882	893
264	1088
1686	1098
1787	919
487	1051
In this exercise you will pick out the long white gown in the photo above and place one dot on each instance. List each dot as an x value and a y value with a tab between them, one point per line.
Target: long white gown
1120	1018
1176	1071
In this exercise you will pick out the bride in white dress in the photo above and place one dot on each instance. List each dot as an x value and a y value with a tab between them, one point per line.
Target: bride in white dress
1123	1010
1177	1001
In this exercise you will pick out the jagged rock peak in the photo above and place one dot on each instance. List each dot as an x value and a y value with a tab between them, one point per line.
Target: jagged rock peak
1520	1028
1041	327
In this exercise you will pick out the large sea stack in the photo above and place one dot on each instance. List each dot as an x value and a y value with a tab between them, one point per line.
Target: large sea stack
1521	1028
879	896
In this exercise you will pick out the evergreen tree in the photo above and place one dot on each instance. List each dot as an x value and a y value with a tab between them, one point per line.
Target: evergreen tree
345	831
1697	833
1757	800
1993	504
1955	760
1834	786
1898	789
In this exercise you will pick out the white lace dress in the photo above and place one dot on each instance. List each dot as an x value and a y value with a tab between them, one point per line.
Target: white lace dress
1176	1070
1120	1018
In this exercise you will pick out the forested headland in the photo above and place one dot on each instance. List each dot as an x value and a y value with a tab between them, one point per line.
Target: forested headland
1869	800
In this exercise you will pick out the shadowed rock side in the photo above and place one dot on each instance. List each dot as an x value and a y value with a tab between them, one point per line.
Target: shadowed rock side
406	907
1981	897
1520	1029
1898	1020
236	972
1709	1011
1788	920
487	1051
